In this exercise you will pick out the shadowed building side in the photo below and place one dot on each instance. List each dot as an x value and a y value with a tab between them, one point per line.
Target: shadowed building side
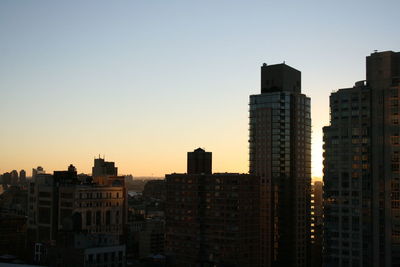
361	169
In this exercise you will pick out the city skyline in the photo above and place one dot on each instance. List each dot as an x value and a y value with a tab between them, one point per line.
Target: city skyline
141	83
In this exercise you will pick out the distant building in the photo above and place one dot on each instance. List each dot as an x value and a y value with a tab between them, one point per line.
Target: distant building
6	178
154	189
14	201
14	177
361	169
38	170
212	219
280	153
22	176
103	168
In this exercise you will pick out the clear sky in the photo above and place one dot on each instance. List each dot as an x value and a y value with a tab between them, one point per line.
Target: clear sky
143	82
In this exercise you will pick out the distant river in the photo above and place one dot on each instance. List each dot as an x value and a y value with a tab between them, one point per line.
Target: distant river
134	193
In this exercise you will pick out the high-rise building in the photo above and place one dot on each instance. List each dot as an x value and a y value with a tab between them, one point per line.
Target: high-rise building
280	153
212	219
361	169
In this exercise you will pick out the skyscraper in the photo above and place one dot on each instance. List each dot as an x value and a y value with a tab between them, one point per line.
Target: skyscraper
280	153
361	169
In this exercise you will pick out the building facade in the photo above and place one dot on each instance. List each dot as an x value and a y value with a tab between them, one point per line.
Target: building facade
87	250
61	202
316	223
212	219
361	169
280	153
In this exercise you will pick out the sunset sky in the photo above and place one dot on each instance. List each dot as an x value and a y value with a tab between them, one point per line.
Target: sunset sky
143	82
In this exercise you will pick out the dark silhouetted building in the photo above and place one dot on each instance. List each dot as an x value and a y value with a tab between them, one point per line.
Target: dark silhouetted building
146	237
82	249
13	235
104	168
154	189
280	154
213	219
14	200
199	161
361	169
6	178
38	170
280	78
22	176
14	177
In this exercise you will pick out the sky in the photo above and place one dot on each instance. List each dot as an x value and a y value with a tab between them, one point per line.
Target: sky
144	82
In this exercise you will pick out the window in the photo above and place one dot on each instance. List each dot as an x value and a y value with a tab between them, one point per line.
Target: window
44	194
108	217
88	218
98	217
394	140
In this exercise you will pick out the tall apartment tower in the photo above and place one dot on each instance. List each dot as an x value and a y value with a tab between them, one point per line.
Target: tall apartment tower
361	169
280	153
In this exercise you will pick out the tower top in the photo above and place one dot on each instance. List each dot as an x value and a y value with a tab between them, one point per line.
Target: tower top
279	78
199	161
